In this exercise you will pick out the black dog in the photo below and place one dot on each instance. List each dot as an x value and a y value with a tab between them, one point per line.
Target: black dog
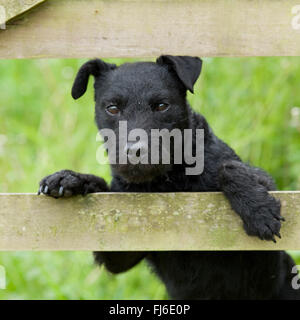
153	95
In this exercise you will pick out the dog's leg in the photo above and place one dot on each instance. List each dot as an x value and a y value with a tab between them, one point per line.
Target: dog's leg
116	262
66	183
246	188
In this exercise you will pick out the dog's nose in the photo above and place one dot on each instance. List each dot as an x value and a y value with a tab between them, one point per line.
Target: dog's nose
136	152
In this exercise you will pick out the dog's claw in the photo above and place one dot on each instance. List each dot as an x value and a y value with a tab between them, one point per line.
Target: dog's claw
40	190
45	191
61	191
282	218
278	234
273	239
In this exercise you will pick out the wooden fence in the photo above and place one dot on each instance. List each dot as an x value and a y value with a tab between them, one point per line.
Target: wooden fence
132	28
136	221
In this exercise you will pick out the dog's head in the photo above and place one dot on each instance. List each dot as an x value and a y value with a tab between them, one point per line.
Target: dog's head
147	95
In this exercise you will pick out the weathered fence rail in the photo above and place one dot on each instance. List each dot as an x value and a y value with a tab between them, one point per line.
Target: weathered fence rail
131	28
129	221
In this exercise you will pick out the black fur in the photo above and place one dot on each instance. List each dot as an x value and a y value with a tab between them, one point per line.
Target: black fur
136	89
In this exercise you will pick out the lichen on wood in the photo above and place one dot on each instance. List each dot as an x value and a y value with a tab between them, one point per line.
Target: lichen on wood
136	221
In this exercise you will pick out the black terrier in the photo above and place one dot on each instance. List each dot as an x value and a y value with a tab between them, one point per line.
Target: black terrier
152	95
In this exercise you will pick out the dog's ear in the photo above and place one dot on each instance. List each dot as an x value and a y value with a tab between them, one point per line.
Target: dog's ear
186	68
94	67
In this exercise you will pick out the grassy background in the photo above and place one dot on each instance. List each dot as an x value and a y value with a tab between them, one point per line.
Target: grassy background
252	103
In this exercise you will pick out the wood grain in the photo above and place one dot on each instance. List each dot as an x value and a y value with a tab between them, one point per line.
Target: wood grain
148	28
130	221
15	7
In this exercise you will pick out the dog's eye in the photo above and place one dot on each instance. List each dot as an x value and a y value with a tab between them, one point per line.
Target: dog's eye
112	110
161	107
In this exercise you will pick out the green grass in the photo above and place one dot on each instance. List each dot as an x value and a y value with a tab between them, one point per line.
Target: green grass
250	102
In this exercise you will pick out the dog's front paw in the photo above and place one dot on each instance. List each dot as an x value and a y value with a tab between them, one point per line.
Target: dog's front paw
66	183
264	221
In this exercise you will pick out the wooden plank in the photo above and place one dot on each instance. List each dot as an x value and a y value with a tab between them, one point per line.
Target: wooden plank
130	221
130	28
15	7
